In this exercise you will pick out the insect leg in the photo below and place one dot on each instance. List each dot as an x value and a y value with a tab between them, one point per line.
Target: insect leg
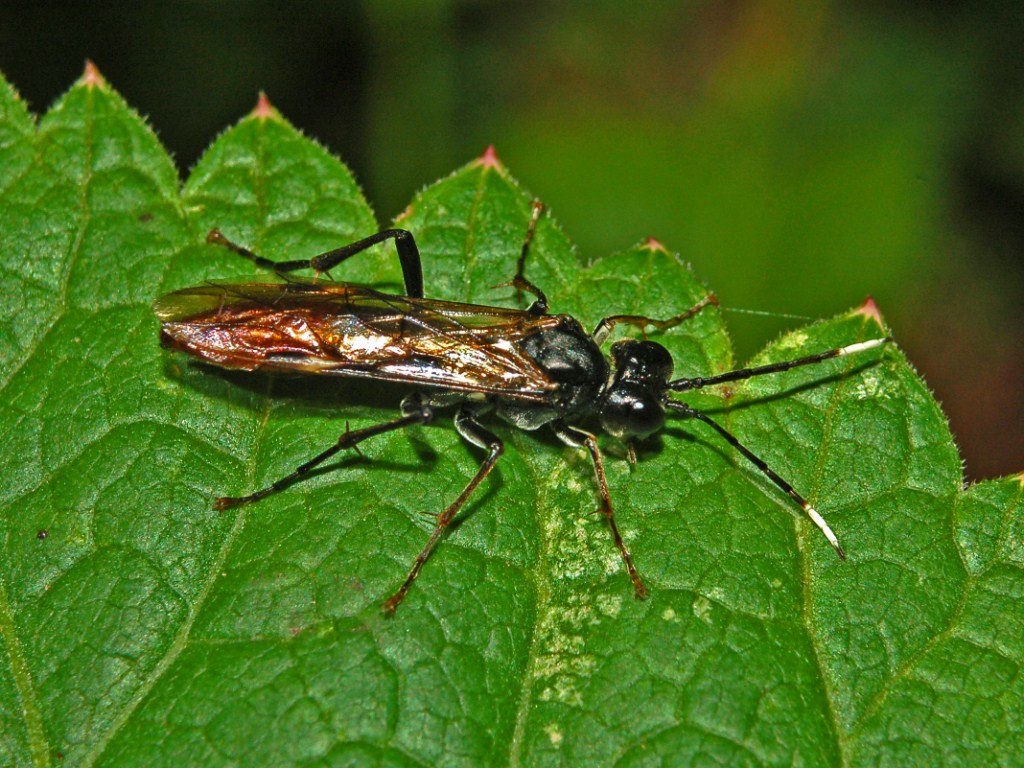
414	411
408	255
471	430
607	324
758	462
578	438
519	281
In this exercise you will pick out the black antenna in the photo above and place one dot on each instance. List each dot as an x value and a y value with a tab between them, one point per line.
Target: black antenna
758	462
685	385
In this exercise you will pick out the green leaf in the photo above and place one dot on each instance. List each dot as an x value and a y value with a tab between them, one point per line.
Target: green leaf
138	626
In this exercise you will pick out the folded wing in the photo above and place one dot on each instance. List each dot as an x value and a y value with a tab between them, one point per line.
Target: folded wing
350	330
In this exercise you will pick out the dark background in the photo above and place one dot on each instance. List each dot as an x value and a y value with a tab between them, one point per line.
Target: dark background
800	155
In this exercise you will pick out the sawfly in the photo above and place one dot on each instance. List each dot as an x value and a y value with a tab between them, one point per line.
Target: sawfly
529	367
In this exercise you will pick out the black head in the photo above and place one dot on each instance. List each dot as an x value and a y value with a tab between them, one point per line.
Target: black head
630	406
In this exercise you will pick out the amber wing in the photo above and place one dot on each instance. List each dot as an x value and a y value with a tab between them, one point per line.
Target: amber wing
351	330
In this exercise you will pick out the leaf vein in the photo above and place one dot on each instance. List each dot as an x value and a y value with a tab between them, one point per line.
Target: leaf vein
30	711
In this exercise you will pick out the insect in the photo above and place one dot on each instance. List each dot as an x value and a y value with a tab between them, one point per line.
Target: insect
531	368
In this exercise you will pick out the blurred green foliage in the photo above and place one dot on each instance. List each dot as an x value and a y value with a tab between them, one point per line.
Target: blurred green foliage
801	155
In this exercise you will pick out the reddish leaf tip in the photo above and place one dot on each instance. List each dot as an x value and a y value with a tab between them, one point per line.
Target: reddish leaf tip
91	76
263	109
870	310
653	244
490	159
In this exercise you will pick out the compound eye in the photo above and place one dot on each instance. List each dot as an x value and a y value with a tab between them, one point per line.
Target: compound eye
631	412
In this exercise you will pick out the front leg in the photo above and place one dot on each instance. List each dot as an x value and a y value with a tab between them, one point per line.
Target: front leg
604	328
579	438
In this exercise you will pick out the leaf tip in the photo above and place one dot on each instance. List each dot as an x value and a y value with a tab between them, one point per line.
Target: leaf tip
870	311
653	244
91	76
263	110
490	159
404	214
